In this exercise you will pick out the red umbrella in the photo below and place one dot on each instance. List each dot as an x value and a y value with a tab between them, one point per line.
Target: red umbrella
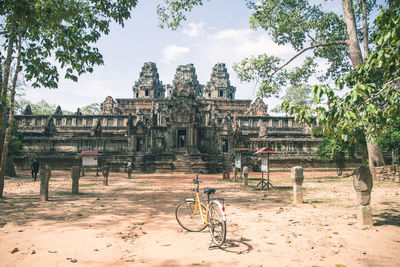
266	150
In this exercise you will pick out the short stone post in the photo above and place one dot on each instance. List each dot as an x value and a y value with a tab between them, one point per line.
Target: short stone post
297	178
75	170
129	172
106	171
362	181
235	172
245	175
45	174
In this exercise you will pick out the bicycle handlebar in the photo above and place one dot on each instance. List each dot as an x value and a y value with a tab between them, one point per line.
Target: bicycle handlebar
197	181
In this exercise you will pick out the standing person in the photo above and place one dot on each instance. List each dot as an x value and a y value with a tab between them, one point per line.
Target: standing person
35	168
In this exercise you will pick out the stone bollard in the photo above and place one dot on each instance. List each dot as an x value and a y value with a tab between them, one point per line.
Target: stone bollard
245	175
45	174
297	178
235	172
75	171
362	182
129	173
106	171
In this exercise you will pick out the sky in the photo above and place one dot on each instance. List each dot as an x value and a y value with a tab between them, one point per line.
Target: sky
217	32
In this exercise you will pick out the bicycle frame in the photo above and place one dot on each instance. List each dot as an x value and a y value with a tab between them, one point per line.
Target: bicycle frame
197	207
204	216
212	215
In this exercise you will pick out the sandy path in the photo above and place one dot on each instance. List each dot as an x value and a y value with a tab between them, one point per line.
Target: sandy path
132	223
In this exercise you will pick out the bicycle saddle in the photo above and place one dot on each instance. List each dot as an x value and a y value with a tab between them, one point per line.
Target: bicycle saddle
209	190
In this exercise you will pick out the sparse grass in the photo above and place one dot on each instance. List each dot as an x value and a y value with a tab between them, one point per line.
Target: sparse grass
318	201
141	184
87	185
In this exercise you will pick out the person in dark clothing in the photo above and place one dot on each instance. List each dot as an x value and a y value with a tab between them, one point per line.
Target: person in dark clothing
35	168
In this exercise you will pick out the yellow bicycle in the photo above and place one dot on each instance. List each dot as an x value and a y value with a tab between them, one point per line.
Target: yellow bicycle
193	216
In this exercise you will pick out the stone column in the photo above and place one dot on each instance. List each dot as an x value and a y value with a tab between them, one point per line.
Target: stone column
245	175
362	182
45	174
106	171
129	172
235	171
297	178
75	179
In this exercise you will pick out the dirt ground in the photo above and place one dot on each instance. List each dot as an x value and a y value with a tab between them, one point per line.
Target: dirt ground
131	222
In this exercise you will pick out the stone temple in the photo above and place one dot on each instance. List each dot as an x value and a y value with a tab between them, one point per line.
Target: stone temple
183	127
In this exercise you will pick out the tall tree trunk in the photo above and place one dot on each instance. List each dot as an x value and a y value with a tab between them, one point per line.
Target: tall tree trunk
365	28
351	27
375	155
3	97
10	119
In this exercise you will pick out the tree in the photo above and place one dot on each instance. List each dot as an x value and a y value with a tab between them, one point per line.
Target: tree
40	32
334	149
373	102
92	109
390	141
43	108
307	29
299	95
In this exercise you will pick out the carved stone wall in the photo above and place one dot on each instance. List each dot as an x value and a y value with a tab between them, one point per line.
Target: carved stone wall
149	84
219	85
388	173
185	131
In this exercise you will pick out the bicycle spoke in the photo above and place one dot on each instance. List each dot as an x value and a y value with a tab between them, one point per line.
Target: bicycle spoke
187	218
217	225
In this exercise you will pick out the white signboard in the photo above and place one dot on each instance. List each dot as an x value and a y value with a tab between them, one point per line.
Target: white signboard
89	161
264	164
238	161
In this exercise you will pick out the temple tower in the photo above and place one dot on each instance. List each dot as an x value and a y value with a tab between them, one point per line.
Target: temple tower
219	86
149	84
188	84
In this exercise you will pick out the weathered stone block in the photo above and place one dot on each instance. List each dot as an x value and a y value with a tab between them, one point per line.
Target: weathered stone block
297	178
75	171
105	172
45	174
362	182
245	175
364	215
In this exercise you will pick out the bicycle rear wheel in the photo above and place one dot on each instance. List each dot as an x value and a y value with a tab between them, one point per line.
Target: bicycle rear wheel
188	218
217	225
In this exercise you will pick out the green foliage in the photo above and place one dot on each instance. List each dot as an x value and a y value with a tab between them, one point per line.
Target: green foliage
331	149
390	141
15	145
43	108
92	109
173	14
373	102
304	27
61	30
300	95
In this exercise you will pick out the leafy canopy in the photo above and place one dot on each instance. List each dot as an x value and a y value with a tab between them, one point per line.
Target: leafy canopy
60	33
373	102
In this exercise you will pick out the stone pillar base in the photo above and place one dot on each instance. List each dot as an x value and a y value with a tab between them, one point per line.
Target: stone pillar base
364	215
297	194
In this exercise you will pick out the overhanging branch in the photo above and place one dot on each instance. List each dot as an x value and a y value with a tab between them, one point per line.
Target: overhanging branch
337	42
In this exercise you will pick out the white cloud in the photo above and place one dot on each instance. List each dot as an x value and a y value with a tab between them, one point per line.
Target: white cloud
231	34
194	29
174	52
240	43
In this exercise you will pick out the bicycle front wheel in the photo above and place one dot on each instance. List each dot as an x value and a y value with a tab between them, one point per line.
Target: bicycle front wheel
217	224
189	217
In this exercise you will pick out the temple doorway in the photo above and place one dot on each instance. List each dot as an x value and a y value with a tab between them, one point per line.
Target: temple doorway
182	138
